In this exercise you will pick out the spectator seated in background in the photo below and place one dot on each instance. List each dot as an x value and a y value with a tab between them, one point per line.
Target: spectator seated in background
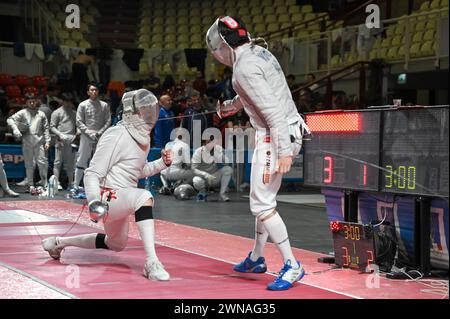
207	172
179	171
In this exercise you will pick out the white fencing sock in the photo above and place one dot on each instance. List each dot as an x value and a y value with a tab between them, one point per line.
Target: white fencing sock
82	241
278	234
261	236
146	226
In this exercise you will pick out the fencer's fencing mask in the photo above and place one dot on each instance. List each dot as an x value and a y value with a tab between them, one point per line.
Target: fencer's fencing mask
184	192
140	113
224	36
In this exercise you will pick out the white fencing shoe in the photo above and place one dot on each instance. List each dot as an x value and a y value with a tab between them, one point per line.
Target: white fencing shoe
50	245
156	271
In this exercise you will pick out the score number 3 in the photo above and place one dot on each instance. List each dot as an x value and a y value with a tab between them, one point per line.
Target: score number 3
328	169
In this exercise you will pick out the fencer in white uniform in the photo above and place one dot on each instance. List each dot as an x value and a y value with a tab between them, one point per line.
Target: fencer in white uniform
4	181
111	184
93	118
262	91
63	125
180	171
206	170
32	127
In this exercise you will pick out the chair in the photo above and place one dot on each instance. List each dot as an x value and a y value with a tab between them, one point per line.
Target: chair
271	18
429	35
297	17
427	48
84	44
22	80
13	91
418	36
425	6
273	27
31	90
284	18
306	9
281	10
268	11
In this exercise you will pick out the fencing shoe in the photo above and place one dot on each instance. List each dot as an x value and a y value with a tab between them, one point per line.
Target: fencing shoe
224	197
50	245
155	271
287	276
11	193
248	265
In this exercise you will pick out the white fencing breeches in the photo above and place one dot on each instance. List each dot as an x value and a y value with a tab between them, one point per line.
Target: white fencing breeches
32	155
264	181
85	153
64	156
123	203
223	177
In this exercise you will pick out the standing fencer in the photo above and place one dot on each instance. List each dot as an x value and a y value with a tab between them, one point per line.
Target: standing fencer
93	118
63	125
111	184
206	170
4	181
264	94
179	172
32	127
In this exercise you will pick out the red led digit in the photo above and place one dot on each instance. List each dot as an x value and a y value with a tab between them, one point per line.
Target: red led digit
328	169
346	257
365	175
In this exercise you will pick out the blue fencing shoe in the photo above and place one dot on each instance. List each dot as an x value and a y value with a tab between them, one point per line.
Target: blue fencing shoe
248	265
287	277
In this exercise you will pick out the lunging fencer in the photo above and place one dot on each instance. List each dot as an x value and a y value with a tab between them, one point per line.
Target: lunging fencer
111	184
31	126
262	91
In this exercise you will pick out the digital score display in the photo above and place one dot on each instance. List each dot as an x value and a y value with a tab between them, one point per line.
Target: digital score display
415	151
344	150
353	245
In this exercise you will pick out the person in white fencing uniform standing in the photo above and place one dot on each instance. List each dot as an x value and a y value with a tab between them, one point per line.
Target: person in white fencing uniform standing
32	127
93	118
63	125
111	184
206	170
179	172
262	91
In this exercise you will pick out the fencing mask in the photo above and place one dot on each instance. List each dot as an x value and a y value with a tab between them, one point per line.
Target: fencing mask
140	113
224	36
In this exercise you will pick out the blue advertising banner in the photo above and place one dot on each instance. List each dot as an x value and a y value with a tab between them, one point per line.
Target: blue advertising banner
13	161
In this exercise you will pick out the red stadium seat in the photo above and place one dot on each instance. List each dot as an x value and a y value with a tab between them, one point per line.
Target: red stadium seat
31	89
39	81
20	100
13	91
22	80
6	79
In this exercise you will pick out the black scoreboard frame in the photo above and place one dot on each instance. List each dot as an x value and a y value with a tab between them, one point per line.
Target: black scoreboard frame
403	176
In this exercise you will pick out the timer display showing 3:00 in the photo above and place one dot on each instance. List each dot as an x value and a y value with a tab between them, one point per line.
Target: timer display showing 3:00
400	177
